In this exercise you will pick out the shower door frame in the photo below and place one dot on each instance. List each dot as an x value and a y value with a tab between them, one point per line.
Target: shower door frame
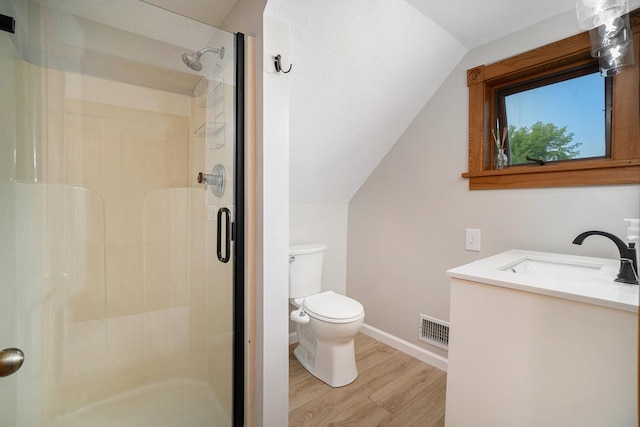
238	413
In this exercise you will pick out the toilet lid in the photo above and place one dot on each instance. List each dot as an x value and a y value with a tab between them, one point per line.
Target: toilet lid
334	307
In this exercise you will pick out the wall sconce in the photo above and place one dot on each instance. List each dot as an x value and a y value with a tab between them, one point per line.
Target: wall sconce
612	44
593	13
609	33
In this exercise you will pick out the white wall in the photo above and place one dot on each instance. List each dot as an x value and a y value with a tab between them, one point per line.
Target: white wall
323	222
273	241
407	222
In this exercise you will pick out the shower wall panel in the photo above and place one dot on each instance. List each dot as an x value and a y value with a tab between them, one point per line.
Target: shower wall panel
205	154
118	207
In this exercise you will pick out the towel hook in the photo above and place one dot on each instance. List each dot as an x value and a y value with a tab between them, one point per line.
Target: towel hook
278	65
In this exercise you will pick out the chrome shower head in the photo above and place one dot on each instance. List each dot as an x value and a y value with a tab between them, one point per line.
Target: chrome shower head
192	60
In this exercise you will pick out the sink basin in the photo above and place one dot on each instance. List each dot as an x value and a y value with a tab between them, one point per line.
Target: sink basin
574	271
572	277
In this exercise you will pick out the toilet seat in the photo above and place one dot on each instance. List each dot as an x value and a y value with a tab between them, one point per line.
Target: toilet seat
332	308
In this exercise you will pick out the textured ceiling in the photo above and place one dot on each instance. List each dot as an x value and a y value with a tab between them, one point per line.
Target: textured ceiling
475	22
363	69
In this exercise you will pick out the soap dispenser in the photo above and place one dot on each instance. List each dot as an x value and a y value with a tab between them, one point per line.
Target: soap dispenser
633	231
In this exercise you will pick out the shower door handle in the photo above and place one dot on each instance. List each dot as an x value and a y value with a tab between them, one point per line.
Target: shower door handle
224	212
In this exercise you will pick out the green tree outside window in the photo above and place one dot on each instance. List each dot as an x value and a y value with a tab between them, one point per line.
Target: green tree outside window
542	141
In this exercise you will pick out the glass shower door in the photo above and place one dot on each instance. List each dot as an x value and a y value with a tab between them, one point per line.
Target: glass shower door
118	229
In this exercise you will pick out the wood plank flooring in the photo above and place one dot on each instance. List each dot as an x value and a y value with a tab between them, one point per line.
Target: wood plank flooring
392	389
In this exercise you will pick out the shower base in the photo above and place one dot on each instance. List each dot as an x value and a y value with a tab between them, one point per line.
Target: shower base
169	404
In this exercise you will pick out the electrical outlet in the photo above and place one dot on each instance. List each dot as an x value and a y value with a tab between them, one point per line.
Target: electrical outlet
472	239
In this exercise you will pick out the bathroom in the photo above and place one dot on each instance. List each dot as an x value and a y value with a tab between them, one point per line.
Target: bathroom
393	238
401	223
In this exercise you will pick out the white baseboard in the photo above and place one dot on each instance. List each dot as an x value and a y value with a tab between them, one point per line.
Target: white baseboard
412	350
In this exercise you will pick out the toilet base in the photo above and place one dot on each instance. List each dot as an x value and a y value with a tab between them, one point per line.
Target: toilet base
335	365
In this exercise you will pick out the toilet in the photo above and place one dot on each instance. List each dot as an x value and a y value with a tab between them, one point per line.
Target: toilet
326	322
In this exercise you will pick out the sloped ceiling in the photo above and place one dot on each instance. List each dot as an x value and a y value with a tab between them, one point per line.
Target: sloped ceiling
475	23
363	69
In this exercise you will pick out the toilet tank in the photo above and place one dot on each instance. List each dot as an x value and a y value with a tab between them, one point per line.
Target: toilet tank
305	269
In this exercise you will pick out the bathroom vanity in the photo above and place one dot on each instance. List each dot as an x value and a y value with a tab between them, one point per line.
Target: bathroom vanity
542	339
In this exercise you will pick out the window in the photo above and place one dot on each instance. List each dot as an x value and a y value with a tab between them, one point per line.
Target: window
558	118
576	127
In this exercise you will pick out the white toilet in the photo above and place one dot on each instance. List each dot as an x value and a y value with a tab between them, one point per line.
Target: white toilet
327	322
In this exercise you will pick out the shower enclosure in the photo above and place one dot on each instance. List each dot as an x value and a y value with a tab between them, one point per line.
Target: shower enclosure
121	212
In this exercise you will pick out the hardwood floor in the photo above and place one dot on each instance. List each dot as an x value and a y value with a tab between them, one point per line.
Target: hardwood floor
392	389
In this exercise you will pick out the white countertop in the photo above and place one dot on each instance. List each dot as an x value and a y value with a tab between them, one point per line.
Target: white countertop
600	290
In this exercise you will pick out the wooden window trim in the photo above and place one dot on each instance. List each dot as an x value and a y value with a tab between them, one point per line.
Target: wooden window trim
623	167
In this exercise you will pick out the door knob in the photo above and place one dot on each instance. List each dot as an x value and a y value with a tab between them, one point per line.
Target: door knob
10	361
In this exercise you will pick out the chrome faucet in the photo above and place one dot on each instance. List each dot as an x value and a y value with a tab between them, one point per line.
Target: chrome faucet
628	261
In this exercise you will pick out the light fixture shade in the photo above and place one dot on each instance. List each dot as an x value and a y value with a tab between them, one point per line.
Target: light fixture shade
612	44
593	13
616	58
616	31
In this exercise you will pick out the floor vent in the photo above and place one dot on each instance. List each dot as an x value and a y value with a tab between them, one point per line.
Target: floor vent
434	331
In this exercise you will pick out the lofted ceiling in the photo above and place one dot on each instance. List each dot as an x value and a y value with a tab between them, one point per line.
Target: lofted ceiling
363	70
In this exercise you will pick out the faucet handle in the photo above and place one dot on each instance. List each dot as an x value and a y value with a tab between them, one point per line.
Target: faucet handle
627	273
